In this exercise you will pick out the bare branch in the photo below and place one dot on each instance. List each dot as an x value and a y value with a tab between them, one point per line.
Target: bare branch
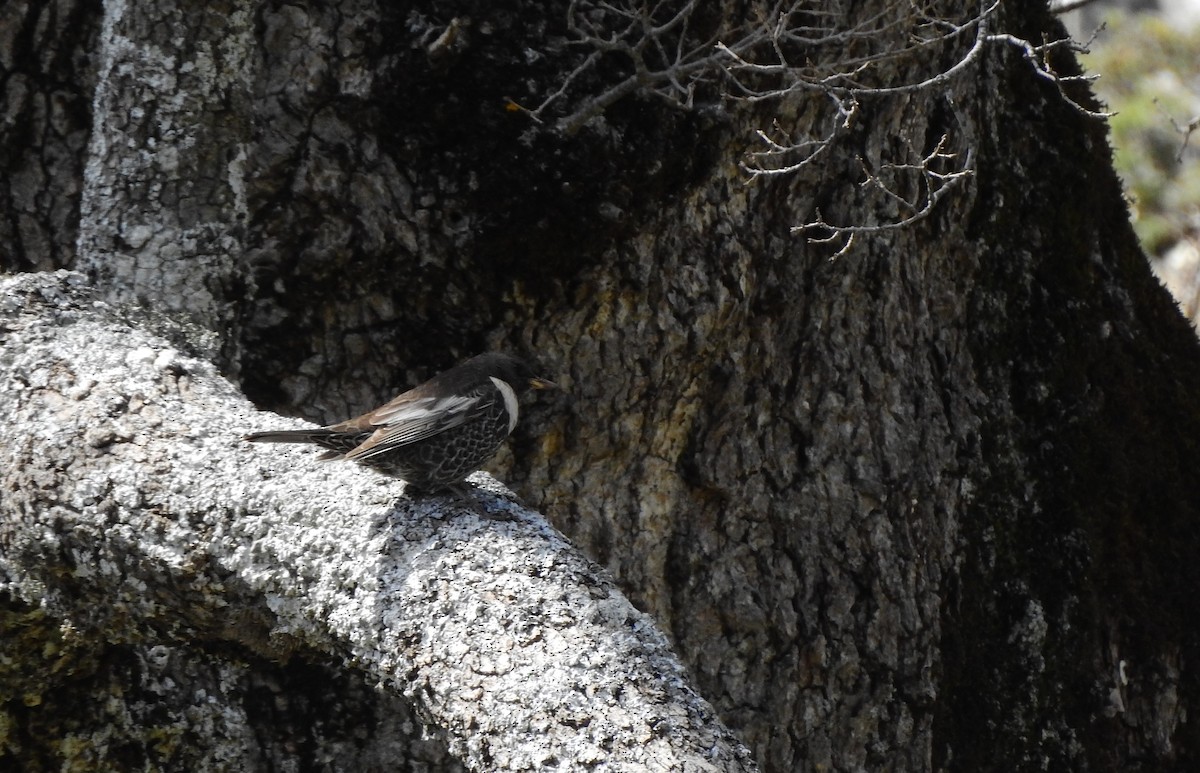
782	48
1039	57
767	162
935	185
1184	130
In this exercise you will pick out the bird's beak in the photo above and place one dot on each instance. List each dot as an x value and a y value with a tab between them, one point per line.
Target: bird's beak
541	383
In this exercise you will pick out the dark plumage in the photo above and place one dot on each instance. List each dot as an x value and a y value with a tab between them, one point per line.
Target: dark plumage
435	434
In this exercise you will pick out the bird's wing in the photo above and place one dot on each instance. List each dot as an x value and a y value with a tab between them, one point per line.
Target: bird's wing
410	420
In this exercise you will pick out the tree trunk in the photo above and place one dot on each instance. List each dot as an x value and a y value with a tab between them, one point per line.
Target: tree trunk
917	500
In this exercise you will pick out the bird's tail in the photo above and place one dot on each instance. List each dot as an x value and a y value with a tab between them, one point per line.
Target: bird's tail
289	436
336	444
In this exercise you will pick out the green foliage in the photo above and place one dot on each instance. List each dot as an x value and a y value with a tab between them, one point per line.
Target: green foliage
1150	76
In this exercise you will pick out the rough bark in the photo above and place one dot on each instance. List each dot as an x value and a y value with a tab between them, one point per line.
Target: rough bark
135	517
925	505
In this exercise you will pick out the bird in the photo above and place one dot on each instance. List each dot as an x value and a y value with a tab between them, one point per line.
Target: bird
436	434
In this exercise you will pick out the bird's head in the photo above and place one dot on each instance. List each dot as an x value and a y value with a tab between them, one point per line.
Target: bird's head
513	370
